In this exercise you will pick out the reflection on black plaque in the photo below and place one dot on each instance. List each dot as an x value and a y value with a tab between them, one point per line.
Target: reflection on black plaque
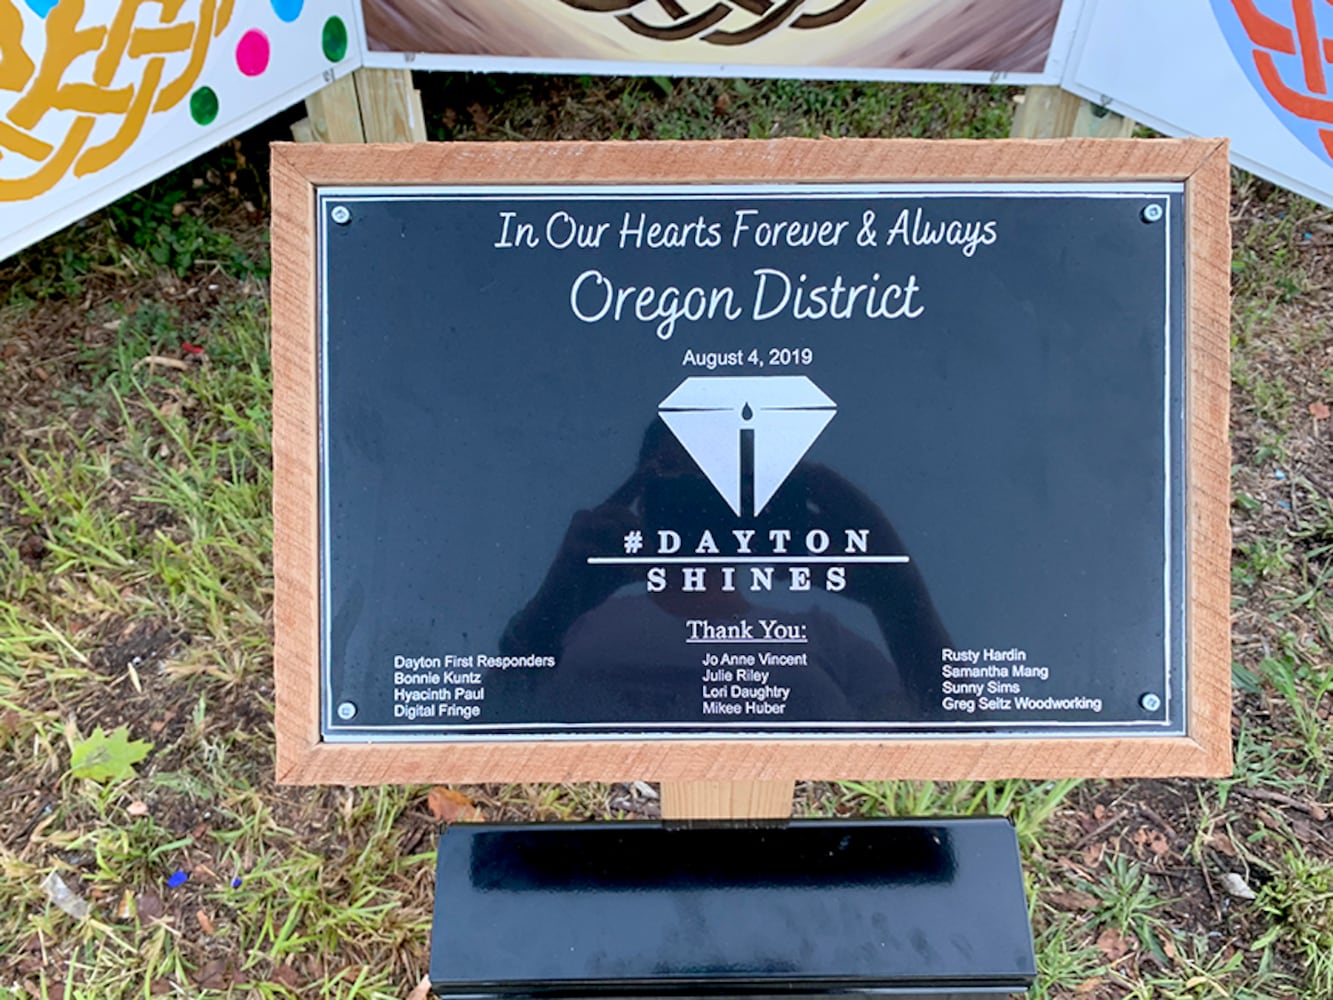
793	461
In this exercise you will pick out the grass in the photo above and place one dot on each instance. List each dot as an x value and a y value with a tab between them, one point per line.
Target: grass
135	595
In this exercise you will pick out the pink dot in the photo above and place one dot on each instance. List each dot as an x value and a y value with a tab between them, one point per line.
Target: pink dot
252	52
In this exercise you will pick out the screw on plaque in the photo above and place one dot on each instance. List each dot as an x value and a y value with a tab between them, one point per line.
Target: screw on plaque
346	710
1152	212
1150	702
341	214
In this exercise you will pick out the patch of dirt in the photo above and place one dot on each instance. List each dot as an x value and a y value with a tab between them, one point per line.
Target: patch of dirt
134	645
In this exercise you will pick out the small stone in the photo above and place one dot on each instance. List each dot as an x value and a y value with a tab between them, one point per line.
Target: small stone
1237	886
645	790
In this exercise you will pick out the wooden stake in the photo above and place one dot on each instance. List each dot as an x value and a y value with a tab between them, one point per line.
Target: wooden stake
390	108
727	799
334	113
1052	113
371	105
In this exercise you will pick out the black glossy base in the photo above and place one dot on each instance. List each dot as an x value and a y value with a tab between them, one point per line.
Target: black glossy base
903	908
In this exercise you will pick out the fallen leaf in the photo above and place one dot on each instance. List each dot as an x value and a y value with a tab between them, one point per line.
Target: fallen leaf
159	361
1092	854
1112	944
59	892
1306	832
137	808
1168	946
33	548
107	756
1319	411
1222	843
421	991
1071	900
646	790
126	908
216	974
148	907
205	922
285	975
448	805
1158	844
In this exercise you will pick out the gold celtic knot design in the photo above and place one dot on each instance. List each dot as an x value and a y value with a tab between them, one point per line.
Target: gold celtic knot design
726	22
146	57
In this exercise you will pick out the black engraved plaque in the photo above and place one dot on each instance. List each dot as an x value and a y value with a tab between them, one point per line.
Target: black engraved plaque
928	910
803	460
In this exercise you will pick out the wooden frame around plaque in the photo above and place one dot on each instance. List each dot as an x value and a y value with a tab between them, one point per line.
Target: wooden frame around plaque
299	170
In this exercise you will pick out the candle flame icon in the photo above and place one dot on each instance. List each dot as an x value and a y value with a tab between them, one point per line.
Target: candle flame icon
747	433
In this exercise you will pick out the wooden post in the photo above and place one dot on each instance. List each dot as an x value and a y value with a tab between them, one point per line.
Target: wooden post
727	799
371	105
1052	113
390	107
334	114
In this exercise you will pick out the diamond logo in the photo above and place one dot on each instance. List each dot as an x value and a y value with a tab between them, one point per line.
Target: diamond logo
747	430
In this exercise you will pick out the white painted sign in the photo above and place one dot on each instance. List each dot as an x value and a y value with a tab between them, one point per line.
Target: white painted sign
99	98
1257	71
1015	41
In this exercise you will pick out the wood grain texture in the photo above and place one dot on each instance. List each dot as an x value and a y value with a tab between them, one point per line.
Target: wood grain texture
1208	462
295	469
727	799
303	131
1052	113
390	108
720	162
1200	164
335	113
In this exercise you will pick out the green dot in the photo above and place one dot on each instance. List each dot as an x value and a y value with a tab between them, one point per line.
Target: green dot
204	106
335	39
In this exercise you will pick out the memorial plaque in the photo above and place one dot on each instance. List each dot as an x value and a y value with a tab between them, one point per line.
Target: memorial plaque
807	463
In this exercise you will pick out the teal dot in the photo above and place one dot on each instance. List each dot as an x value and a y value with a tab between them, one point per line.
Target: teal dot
335	39
204	106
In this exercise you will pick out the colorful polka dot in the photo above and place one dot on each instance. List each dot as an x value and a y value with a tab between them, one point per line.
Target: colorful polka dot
287	10
335	39
252	53
204	106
